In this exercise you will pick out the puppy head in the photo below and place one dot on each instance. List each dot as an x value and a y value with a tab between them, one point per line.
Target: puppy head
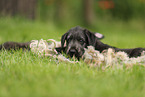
77	39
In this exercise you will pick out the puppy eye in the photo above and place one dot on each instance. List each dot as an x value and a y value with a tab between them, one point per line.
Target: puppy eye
81	41
68	39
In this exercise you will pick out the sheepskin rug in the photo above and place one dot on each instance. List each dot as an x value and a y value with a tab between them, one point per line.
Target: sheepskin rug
108	58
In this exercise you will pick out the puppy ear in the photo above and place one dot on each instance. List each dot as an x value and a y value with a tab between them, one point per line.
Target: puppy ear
63	38
91	38
99	35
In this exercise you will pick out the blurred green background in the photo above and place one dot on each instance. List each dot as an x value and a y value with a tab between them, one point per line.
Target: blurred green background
118	20
23	74
77	12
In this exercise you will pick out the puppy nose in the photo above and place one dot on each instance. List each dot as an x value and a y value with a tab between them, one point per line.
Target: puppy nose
72	51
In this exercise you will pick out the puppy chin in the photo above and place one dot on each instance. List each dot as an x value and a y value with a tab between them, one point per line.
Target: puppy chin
78	55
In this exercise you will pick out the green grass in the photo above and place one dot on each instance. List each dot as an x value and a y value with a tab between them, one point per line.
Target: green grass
23	74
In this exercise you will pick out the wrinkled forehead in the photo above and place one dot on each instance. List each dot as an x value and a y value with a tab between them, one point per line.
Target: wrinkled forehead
76	34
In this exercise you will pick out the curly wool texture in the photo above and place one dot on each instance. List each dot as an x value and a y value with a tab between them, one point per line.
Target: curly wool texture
108	58
47	48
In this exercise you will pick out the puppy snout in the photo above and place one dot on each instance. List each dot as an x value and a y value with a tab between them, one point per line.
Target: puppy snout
73	51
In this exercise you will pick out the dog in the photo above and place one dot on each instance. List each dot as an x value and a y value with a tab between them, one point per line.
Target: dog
76	40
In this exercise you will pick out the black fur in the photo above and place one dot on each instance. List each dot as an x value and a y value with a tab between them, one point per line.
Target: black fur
76	40
15	46
79	38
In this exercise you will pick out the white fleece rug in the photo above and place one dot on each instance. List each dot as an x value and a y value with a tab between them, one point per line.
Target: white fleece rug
108	58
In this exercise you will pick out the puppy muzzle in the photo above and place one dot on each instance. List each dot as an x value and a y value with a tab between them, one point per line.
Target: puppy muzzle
74	52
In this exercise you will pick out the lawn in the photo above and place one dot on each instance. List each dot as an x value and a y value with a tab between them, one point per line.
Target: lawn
23	74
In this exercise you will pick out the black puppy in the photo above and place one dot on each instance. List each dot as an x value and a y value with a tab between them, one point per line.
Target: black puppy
76	40
79	38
